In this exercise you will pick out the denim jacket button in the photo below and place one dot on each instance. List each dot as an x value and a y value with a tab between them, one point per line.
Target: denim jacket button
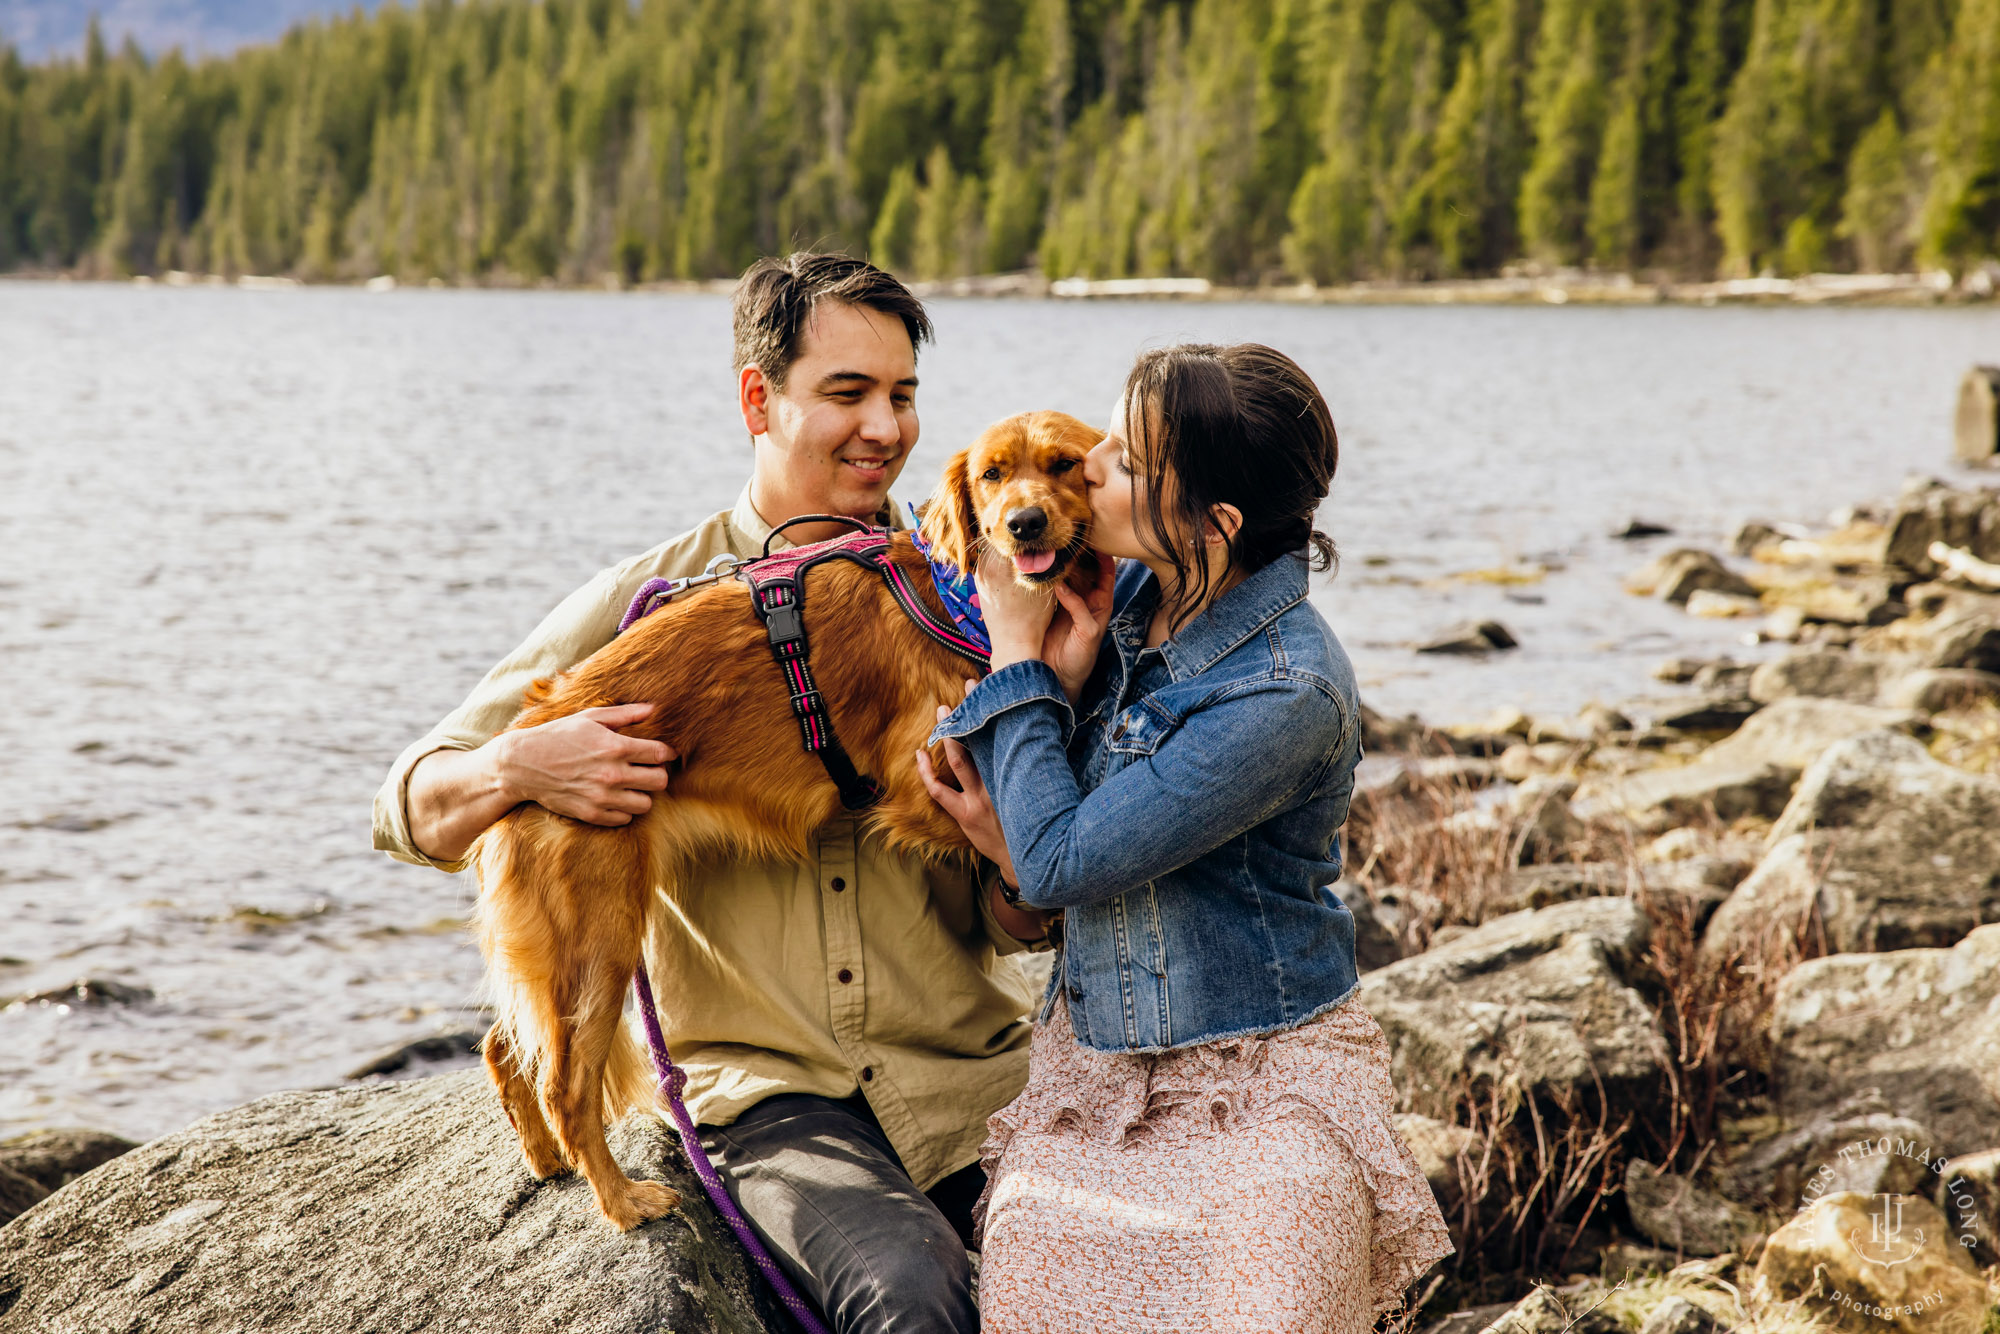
1075	992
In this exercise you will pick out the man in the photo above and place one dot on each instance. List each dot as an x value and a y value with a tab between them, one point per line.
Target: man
847	1025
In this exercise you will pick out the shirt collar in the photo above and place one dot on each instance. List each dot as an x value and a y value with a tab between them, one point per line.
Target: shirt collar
752	527
1228	620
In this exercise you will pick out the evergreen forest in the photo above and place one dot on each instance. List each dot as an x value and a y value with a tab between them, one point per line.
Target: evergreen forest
1244	141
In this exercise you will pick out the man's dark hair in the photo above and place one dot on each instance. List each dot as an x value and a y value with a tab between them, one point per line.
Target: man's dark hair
776	297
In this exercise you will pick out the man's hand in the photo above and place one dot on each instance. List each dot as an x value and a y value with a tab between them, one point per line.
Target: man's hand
580	766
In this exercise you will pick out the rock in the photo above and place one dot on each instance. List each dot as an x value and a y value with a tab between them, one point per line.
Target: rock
54	1158
1641	528
1436	1145
1869	600
91	991
1543	822
1681	1216
1940	689
1382	734
1374	943
1968	1193
1857	1262
1836	1151
396	1206
1471	637
1706	713
1561	882
1658	799
1754	534
1823	674
1783	626
1598	720
1624	1259
1792	733
18	1193
1678	573
1472	1320
1920	1026
1521	761
457	1045
1892	848
1680	671
1535	999
1963	642
1678	1315
1975	426
1714	606
1546	1311
1724	680
1969	520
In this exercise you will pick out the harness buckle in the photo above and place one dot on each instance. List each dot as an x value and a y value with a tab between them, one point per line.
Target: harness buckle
785	625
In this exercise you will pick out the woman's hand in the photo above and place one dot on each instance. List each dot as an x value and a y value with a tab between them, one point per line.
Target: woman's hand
1076	631
971	805
1063	631
967	800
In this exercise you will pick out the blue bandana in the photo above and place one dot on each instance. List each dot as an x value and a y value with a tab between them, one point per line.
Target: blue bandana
961	598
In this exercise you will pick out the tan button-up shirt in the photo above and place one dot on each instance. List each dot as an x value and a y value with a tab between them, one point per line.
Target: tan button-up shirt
861	969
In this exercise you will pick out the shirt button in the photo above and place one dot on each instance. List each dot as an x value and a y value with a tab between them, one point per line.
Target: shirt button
838	885
867	1072
845	975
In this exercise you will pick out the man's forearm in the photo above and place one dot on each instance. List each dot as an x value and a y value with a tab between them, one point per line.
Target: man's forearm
455	796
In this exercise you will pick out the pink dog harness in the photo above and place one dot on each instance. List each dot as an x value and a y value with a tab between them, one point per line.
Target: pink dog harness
777	584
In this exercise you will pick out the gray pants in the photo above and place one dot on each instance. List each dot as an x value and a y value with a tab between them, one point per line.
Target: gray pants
830	1198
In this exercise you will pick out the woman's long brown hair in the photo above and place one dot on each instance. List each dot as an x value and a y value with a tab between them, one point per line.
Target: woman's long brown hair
1239	425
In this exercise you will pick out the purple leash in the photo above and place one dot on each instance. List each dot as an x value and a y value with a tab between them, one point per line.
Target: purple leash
672	1081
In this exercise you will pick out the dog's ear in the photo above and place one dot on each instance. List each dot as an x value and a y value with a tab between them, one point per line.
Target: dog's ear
950	523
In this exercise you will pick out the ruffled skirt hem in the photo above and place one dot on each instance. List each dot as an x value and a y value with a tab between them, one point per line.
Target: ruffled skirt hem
1188	1103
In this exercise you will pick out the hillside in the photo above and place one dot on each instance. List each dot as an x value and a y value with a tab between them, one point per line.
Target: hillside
1237	140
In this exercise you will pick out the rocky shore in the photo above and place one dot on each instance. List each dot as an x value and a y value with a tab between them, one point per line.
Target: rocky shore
1694	1003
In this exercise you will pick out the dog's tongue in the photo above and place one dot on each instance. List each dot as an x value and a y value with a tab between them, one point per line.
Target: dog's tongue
1034	562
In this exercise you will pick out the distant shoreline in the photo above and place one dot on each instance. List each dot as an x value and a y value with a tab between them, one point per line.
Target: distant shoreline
1563	288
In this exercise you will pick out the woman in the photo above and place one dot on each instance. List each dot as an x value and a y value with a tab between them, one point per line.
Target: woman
1205	1139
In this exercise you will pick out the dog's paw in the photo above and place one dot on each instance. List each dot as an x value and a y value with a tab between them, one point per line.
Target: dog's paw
544	1159
643	1202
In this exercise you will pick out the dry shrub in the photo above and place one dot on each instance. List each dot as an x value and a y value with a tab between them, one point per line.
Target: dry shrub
1713	1008
1537	1173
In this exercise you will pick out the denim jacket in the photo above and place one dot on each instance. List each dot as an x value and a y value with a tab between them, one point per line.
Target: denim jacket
1187	821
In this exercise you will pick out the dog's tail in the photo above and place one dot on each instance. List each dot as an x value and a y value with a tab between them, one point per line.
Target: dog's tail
561	922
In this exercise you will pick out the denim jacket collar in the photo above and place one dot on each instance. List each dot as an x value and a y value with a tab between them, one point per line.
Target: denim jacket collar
1227	622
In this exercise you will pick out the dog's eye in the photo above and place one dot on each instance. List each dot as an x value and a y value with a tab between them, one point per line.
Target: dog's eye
1061	466
990	475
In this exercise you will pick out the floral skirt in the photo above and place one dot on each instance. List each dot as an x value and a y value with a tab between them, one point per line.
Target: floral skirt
1242	1187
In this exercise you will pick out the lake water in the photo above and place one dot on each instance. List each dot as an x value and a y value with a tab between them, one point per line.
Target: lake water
253	543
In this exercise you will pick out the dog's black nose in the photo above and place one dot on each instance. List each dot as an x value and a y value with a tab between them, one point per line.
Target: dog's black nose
1028	523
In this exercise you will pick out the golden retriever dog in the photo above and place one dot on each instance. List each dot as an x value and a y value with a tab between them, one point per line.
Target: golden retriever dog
564	906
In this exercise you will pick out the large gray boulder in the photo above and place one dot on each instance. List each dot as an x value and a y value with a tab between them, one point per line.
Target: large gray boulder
1538	1001
1920	1027
1969	519
1825	673
1895	849
1677	575
1751	772
401	1206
